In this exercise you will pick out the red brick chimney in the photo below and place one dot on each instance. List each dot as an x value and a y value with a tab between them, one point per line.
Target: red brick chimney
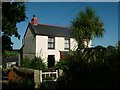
34	20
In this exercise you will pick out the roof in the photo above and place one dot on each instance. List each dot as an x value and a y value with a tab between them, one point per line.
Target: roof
14	50
50	30
9	59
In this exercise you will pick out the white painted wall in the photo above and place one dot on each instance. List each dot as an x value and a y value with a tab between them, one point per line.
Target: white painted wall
89	44
73	44
43	51
8	64
41	47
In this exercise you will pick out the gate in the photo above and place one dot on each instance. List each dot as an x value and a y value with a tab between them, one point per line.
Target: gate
48	76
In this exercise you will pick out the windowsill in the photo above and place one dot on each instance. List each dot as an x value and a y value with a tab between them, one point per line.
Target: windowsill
67	48
51	48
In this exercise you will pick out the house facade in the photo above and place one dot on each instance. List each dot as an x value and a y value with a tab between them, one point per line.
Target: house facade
47	41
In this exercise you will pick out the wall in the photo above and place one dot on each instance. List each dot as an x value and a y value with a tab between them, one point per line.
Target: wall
73	44
36	75
42	49
29	42
41	46
8	64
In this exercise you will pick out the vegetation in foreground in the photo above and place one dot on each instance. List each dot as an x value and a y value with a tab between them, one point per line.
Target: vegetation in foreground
35	63
100	72
14	81
80	73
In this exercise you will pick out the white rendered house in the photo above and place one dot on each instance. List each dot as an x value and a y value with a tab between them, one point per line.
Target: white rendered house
47	41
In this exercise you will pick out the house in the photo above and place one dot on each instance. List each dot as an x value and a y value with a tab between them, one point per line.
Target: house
47	41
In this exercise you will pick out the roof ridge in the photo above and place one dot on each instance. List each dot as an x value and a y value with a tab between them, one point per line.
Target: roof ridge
53	25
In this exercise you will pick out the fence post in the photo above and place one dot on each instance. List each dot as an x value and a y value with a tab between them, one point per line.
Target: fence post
60	72
36	79
40	76
57	74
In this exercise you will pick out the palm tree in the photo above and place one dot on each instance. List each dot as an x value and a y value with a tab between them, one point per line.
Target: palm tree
86	26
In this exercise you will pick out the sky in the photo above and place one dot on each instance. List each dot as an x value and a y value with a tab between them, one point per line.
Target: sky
62	13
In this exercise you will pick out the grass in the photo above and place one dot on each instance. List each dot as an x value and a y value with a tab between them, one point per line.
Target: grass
12	53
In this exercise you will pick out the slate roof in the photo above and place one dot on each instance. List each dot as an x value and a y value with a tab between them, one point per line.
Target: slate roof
9	59
50	30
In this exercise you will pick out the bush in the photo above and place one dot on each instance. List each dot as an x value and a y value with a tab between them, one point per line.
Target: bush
35	63
12	76
48	85
16	82
5	71
19	84
63	64
102	72
66	61
26	62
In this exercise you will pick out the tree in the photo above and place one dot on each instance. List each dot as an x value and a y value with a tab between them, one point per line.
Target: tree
12	13
86	26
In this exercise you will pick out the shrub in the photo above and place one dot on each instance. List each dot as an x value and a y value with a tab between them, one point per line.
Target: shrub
99	73
5	71
16	82
63	64
26	62
37	63
21	84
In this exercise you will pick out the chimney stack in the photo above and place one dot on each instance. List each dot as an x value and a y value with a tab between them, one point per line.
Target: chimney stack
34	20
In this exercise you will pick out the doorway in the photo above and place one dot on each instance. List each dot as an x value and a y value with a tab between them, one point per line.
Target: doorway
51	61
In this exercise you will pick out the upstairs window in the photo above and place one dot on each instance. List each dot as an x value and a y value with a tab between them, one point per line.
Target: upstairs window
51	43
67	43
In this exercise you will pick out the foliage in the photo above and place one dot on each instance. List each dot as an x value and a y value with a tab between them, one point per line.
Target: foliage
5	70
63	64
47	86
16	82
12	13
11	53
66	61
86	26
112	56
86	73
0	15
6	43
12	76
19	84
35	63
102	72
26	62
48	77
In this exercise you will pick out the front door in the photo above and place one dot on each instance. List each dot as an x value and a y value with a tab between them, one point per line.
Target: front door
51	61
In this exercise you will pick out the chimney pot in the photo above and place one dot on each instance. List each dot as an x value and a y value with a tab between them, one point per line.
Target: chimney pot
34	20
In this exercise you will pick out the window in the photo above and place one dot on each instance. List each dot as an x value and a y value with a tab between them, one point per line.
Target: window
67	43
51	42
